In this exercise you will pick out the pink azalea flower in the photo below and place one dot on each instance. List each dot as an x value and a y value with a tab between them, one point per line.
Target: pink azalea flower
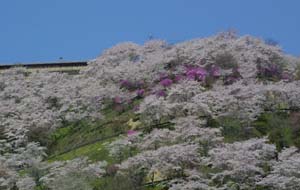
196	73
161	93
286	76
131	132
125	83
163	76
215	71
140	92
166	82
178	78
117	100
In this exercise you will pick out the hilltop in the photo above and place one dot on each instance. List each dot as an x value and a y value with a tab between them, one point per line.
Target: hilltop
216	113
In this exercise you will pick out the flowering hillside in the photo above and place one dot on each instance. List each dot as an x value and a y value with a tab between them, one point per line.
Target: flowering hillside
219	113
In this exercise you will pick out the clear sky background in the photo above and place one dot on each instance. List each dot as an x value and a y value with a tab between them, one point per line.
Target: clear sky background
44	30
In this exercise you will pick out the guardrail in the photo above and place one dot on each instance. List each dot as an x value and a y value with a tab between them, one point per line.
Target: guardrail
50	66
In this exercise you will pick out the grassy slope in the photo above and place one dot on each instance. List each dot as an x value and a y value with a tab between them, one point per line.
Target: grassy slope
68	142
86	138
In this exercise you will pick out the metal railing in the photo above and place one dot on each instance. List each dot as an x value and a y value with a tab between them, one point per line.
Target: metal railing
49	66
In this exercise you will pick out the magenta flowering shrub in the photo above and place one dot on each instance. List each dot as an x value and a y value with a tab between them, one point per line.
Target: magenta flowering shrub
178	78
131	86
125	84
161	93
270	71
166	82
131	132
140	93
215	71
196	73
122	104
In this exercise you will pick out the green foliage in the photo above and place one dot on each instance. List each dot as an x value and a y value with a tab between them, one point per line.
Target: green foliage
297	77
133	57
162	124
278	127
208	170
41	187
233	185
226	61
157	187
39	134
273	71
204	147
209	82
233	129
53	102
132	179
266	168
296	139
116	183
212	123
281	137
124	153
36	173
259	187
281	129
2	133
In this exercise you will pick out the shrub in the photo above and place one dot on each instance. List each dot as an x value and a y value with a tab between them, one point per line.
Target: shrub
2	133
204	147
226	61
295	124
274	70
270	71
131	179
111	170
166	82
278	128
131	85
121	149
232	77
281	136
116	183
2	86
71	181
36	173
233	129
39	134
196	73
297	77
53	102
133	57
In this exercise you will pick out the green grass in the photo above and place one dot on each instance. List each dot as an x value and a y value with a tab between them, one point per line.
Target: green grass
94	152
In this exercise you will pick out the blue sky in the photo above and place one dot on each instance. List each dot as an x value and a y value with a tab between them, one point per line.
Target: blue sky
44	30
